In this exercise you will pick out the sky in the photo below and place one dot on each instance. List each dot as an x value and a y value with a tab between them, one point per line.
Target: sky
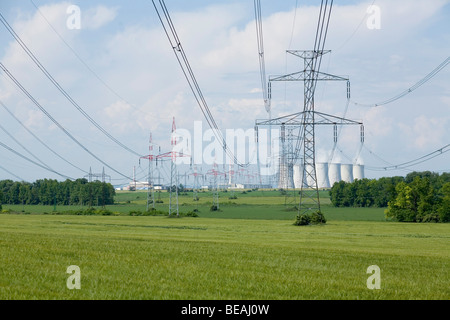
115	61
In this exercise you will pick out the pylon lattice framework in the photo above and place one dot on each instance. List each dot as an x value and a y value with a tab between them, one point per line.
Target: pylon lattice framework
306	121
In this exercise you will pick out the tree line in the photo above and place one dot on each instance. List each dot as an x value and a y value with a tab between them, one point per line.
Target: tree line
53	192
417	197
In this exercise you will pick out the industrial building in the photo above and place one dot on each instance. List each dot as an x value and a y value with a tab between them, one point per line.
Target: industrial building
330	173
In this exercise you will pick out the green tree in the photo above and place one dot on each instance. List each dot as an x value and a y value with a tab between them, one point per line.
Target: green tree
444	209
415	201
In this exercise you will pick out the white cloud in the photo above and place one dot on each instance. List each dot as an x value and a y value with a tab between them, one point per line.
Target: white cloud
427	133
137	62
94	18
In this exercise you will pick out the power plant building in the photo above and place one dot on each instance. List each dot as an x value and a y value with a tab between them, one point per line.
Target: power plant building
347	172
327	174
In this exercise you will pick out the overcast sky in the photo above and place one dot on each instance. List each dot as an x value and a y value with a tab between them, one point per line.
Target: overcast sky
120	69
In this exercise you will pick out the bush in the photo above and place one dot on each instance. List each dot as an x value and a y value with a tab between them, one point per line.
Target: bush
318	218
306	219
190	214
302	220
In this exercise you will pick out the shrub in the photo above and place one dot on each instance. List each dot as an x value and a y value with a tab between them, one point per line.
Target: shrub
306	219
318	218
302	220
190	214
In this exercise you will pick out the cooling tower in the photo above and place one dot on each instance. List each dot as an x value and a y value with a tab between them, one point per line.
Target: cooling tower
347	172
358	171
322	175
334	173
298	176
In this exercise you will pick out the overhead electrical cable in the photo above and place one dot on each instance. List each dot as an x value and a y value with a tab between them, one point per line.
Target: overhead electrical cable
37	138
17	83
103	82
414	162
59	87
321	37
23	147
357	28
33	162
262	64
172	36
319	45
427	78
293	23
6	170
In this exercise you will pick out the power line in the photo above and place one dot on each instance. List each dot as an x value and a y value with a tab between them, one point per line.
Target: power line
354	32
293	23
32	161
260	40
427	78
180	54
17	83
414	162
23	147
58	86
37	138
106	85
6	170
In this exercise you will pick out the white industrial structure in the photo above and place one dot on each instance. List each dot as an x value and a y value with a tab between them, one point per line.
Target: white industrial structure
330	173
322	175
298	176
347	172
334	173
358	171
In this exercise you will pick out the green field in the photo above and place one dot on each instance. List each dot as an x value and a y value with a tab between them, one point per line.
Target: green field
248	250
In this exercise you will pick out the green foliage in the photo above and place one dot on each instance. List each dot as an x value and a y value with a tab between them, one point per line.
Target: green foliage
418	201
318	218
302	220
418	197
53	192
364	192
306	219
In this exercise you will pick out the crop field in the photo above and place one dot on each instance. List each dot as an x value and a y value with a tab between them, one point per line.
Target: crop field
249	249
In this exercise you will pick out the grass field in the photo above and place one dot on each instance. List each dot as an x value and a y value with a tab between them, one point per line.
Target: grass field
248	250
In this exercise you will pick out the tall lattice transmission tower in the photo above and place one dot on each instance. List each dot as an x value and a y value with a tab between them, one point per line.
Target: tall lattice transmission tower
303	152
151	185
301	148
173	155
